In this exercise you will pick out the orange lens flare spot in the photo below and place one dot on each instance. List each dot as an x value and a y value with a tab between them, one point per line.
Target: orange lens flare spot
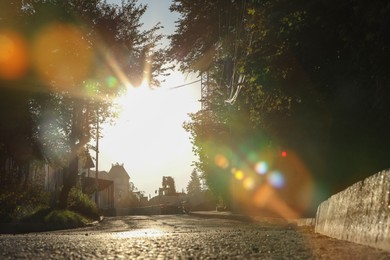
266	198
13	55
221	161
62	55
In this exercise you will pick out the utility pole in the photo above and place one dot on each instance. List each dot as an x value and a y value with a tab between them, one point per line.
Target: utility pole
97	158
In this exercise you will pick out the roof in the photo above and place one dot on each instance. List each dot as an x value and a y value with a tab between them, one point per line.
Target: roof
117	170
89	183
101	175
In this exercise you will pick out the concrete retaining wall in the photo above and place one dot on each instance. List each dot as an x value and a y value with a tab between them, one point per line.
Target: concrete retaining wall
359	214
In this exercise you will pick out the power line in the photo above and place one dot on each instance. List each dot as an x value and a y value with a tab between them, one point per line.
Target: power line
183	85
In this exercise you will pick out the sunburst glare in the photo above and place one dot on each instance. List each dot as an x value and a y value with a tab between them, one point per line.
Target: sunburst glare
148	135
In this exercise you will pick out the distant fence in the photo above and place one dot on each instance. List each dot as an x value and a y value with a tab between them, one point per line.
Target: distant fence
116	211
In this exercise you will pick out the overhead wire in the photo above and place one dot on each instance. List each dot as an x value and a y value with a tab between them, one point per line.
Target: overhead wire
186	84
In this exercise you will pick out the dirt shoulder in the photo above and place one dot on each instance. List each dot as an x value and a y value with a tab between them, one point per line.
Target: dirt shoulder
324	247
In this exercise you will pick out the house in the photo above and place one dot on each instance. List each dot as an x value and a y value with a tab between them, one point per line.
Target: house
104	197
121	181
113	189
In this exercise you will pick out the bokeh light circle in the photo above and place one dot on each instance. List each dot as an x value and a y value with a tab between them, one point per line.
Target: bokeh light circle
221	161
239	175
261	168
13	55
249	183
276	179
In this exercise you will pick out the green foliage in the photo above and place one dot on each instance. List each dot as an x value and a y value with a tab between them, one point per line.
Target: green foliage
16	203
82	203
315	82
194	186
45	219
65	219
38	216
55	218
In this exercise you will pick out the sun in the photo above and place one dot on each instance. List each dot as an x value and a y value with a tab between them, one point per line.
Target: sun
148	136
137	102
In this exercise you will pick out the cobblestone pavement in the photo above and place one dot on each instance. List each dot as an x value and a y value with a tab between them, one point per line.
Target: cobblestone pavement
182	237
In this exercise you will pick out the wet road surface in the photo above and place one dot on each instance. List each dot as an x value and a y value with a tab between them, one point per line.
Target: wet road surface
181	237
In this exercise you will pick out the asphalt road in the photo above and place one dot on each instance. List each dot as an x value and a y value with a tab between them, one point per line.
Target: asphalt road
181	237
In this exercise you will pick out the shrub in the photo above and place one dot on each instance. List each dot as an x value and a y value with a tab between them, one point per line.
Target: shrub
16	202
38	216
81	203
65	219
7	206
48	219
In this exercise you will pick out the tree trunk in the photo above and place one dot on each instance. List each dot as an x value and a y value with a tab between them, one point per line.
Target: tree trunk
63	201
70	180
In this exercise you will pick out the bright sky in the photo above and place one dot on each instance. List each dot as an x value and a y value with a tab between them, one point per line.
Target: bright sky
148	136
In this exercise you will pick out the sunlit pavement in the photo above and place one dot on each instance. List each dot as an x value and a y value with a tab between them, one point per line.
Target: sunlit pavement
253	218
182	237
238	216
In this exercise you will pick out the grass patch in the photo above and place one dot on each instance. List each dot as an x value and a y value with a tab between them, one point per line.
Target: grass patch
65	218
82	204
17	202
49	219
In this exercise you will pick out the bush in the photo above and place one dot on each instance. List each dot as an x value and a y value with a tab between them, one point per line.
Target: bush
65	219
16	202
46	219
81	203
38	216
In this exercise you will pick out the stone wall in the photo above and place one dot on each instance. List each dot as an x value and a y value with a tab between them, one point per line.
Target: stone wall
360	213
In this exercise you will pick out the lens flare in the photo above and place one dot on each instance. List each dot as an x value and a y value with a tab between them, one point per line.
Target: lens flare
249	183
112	82
276	179
267	198
221	161
239	175
13	55
53	143
62	56
261	168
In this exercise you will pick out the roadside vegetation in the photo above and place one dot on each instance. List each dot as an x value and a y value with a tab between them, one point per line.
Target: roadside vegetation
32	210
63	64
296	96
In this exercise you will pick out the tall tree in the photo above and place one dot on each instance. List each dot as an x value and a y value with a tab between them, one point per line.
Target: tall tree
194	186
311	78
